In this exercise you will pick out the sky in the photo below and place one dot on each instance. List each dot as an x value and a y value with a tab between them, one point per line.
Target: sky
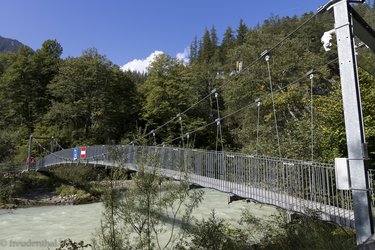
132	32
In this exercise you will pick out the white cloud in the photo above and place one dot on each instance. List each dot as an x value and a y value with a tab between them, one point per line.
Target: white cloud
184	56
140	65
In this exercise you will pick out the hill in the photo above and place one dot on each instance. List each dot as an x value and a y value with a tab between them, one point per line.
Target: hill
7	45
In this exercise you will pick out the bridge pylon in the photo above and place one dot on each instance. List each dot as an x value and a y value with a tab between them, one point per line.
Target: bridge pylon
348	24
29	161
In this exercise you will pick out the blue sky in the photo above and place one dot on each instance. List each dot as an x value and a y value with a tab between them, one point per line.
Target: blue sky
124	30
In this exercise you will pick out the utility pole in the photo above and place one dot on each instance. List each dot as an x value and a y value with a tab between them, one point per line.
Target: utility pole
347	24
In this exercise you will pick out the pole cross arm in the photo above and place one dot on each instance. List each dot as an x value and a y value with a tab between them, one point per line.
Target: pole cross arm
363	30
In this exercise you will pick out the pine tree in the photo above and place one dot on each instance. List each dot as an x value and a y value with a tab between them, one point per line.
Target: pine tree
194	50
241	33
205	50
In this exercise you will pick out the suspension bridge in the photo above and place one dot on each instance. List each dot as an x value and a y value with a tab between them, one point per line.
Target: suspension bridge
294	185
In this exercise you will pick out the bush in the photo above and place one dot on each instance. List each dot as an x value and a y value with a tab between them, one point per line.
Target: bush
303	232
7	146
68	244
79	196
214	234
308	232
33	180
6	188
78	175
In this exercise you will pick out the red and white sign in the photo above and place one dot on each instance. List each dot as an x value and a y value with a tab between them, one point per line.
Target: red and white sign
83	152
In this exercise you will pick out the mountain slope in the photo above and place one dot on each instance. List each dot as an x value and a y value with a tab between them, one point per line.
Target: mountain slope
7	44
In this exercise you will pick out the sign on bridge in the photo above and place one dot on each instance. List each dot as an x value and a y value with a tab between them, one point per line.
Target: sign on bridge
75	154
83	152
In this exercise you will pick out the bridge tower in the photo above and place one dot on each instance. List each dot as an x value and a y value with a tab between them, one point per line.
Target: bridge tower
30	148
347	24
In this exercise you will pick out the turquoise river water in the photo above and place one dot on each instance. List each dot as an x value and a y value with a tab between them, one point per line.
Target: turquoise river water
44	227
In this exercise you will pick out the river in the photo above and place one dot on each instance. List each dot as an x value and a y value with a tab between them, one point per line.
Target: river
44	227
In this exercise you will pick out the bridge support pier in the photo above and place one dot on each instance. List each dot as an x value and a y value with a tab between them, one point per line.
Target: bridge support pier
232	197
289	215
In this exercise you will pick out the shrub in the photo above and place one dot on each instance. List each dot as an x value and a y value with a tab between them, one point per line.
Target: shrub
78	175
309	232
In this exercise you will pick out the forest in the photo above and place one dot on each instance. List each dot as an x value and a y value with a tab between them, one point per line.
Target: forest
228	97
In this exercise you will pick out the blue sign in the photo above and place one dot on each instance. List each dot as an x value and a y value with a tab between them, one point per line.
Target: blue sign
75	153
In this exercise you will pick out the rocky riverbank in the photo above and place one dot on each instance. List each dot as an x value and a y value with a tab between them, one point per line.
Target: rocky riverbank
65	195
64	185
43	197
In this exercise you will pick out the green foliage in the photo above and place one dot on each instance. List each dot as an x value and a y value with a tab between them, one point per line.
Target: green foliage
153	202
111	235
73	183
79	182
79	176
8	142
34	180
92	100
308	232
368	97
215	234
138	218
167	91
78	195
7	187
78	100
68	244
24	83
303	232
16	183
241	33
65	190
